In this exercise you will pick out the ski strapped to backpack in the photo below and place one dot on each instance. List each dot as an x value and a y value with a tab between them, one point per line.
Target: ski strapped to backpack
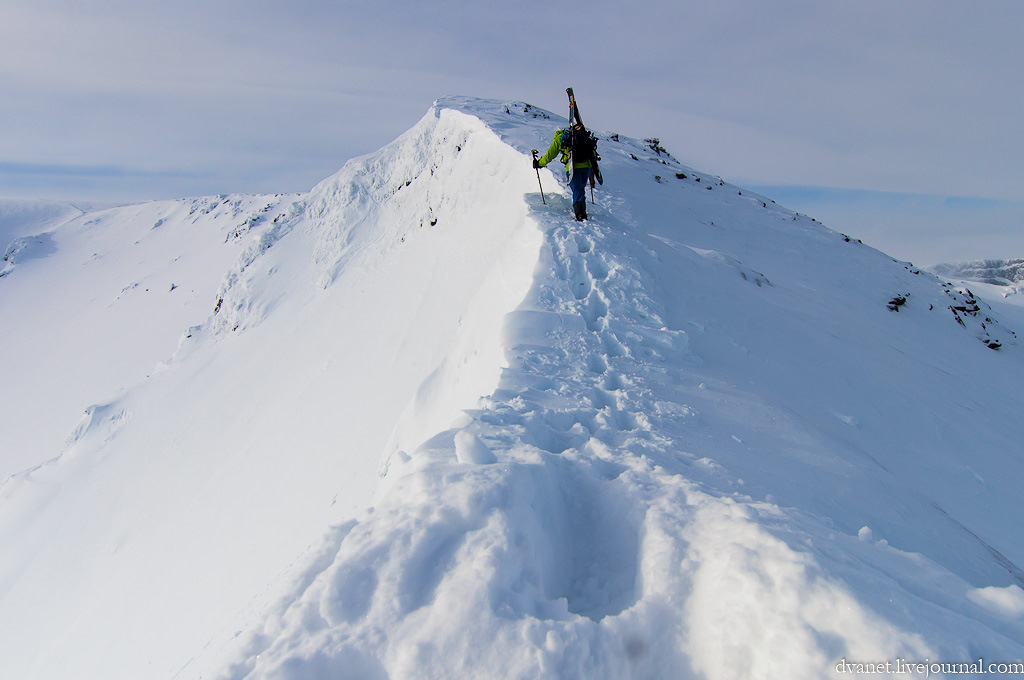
583	143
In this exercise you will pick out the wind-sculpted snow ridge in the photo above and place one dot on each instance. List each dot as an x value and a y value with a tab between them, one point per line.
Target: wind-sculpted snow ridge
714	452
180	504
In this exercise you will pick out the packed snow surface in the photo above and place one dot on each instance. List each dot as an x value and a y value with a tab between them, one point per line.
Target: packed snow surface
421	424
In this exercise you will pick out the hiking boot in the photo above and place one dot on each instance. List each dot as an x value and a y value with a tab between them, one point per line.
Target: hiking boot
580	210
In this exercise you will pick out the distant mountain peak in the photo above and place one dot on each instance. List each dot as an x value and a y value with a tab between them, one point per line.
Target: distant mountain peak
995	272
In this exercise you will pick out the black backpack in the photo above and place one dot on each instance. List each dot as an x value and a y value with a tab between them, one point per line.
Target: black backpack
584	145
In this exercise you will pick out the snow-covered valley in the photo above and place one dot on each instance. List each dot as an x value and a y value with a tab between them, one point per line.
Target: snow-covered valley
417	423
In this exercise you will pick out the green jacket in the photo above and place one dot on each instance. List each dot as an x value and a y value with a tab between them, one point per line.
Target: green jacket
556	148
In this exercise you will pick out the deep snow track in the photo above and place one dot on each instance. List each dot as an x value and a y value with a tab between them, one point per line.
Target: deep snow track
583	551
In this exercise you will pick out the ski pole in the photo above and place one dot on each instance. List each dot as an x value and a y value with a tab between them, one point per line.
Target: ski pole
544	200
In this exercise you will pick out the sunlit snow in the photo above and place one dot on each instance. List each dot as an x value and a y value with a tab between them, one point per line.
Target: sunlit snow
417	423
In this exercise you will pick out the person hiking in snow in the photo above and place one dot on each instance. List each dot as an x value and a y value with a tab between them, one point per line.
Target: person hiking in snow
577	164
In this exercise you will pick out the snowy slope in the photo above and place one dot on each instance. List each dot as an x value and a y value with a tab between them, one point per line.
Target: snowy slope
27	217
697	436
93	301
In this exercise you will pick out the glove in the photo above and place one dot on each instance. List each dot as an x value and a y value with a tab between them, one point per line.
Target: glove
536	163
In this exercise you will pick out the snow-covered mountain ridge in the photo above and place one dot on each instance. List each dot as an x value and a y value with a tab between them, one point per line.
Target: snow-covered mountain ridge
687	438
995	272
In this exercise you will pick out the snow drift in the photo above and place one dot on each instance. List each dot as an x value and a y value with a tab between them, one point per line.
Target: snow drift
430	427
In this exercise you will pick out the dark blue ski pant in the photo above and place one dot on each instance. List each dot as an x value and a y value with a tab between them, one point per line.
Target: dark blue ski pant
578	184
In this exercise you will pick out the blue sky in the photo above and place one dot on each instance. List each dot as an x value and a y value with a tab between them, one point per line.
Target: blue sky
898	123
